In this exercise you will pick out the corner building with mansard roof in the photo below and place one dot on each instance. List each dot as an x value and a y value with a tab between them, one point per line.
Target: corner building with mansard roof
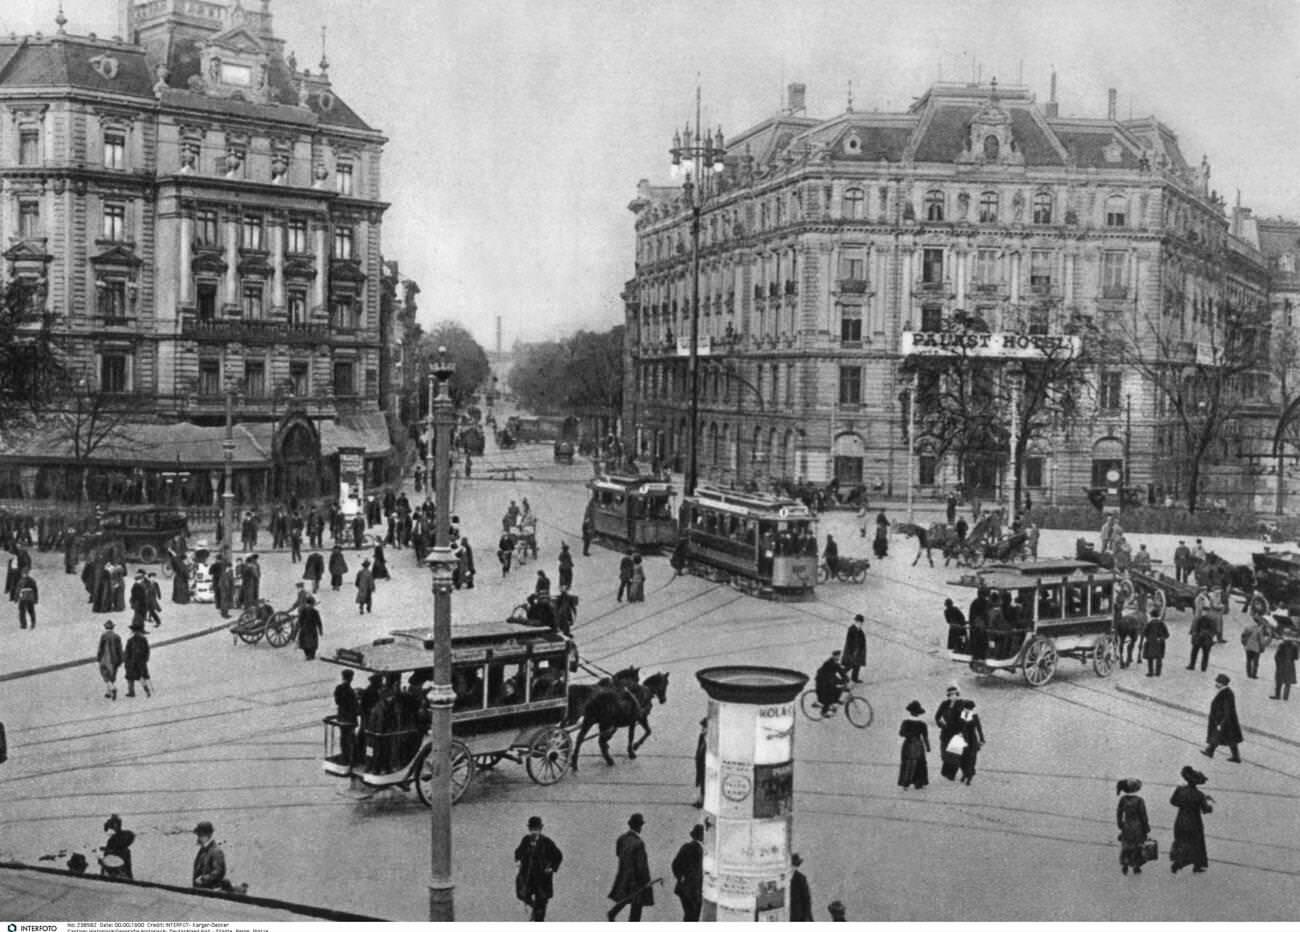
827	240
198	214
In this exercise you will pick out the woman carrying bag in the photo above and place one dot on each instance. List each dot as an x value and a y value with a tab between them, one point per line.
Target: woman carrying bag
1134	827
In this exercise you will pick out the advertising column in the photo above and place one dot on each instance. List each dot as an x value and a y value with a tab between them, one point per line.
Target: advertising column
352	477
748	792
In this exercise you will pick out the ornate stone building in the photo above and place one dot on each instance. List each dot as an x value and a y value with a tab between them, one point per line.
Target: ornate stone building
200	214
827	244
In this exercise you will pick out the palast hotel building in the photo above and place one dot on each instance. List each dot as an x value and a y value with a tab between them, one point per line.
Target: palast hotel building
198	213
831	249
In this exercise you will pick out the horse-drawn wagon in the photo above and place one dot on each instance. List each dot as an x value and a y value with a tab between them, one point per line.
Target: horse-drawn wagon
1048	611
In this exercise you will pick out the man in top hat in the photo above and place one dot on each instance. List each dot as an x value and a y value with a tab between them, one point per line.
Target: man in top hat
210	861
855	649
538	858
155	600
829	682
109	656
365	583
800	895
1224	728
136	660
310	627
688	869
139	601
632	881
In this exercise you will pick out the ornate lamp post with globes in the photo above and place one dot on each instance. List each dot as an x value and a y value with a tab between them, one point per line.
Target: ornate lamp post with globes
441	696
694	156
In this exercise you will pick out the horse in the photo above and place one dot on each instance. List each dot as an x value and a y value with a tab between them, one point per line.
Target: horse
619	702
1128	630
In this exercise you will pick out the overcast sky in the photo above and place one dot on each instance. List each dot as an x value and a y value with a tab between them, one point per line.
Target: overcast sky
519	128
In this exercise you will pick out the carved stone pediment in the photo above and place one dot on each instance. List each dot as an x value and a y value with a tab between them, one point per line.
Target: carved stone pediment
118	255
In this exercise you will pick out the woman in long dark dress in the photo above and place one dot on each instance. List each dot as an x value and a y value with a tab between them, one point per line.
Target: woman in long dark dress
378	564
973	732
1134	827
912	768
1189	829
881	543
180	579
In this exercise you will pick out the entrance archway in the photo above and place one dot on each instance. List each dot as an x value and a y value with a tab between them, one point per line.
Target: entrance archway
296	460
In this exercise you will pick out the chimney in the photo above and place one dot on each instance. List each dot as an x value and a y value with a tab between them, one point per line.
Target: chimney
795	97
1053	108
1111	103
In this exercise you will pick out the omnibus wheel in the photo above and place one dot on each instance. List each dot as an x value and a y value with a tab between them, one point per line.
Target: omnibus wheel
1039	665
279	630
148	553
462	772
809	705
165	568
1159	601
859	712
549	756
1105	655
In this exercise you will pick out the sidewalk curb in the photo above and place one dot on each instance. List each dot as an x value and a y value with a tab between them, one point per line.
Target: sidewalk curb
68	664
1128	691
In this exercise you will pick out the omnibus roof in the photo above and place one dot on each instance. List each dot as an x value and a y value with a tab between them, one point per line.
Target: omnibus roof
410	649
1061	567
1002	579
763	506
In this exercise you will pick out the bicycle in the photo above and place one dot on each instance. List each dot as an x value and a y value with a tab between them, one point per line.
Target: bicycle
856	708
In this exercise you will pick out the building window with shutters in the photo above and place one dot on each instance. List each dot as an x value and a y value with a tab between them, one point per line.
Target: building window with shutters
29	146
931	318
850	385
115	149
986	268
1040	270
206	302
1034	472
300	378
372	383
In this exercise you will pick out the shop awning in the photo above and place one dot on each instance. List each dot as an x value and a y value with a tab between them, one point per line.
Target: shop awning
368	430
153	446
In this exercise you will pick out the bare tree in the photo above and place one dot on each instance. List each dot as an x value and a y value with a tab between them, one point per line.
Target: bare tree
88	422
30	364
1195	370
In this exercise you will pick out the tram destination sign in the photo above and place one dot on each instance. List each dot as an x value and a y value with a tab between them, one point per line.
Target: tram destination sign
997	345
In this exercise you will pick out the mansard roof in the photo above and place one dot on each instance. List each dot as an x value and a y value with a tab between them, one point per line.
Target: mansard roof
81	63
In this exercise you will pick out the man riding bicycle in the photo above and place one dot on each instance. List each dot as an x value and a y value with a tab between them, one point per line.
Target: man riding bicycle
830	682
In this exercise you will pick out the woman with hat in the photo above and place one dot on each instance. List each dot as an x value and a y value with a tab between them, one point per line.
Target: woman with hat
1131	818
973	731
136	657
116	859
912	767
109	656
1189	829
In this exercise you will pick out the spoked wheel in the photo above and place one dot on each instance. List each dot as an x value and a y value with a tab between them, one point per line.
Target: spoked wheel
823	574
165	568
1157	600
549	756
1040	661
248	630
859	712
810	706
860	574
279	630
519	613
462	772
1105	655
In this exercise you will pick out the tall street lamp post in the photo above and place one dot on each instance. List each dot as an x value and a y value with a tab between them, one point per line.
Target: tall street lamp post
441	696
428	441
693	155
228	496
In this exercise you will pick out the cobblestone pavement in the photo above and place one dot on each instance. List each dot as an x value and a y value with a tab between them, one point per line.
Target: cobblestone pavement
234	736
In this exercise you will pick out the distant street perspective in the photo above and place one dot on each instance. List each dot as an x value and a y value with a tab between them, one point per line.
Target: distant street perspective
855	510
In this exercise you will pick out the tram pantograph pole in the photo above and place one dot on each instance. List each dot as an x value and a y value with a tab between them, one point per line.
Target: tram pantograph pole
441	697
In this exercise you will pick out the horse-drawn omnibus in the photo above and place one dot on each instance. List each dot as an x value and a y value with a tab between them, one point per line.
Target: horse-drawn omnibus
1065	608
632	511
760	544
512	704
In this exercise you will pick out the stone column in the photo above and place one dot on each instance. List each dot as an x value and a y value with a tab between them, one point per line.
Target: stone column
276	233
320	229
232	225
186	253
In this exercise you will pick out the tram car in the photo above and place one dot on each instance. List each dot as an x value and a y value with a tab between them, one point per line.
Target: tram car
632	511
760	544
511	703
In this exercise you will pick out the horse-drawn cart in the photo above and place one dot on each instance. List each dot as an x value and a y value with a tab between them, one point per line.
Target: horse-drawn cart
1151	587
1062	609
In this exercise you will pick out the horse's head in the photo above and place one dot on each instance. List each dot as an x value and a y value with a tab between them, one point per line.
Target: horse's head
657	685
628	676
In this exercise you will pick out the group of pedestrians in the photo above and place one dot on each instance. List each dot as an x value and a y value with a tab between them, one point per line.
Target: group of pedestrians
1188	849
961	736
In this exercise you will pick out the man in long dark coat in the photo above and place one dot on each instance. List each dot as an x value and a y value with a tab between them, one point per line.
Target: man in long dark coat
632	881
250	593
1224	728
688	869
626	566
139	597
800	895
854	656
538	858
365	583
310	628
314	569
338	567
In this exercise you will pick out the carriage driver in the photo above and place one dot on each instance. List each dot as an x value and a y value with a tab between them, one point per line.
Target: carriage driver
831	680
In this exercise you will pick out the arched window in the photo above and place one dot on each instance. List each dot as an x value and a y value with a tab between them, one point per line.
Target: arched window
991	147
853	201
1042	207
1116	211
934	205
989	207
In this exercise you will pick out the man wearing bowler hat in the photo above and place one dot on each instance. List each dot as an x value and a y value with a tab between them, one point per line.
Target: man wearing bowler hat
538	858
210	861
688	869
632	882
1224	728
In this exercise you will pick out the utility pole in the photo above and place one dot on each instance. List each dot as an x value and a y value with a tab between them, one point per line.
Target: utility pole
228	496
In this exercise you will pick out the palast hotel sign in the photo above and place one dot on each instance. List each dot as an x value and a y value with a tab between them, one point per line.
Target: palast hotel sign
999	345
